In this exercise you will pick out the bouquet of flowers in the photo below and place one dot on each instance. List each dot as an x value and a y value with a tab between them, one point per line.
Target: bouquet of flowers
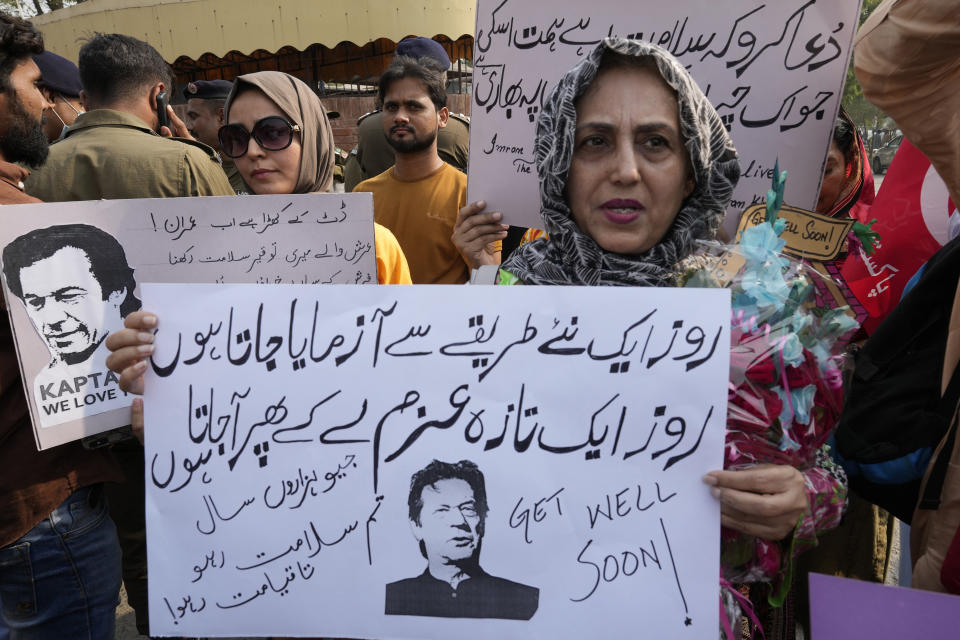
785	391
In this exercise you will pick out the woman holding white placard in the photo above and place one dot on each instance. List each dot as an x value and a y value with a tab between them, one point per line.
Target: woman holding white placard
635	167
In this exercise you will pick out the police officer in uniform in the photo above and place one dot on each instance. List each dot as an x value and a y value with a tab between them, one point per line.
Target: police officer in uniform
205	102
113	150
61	87
373	155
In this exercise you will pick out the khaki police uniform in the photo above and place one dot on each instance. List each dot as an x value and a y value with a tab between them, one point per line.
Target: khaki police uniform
233	175
375	155
339	163
217	91
352	176
114	155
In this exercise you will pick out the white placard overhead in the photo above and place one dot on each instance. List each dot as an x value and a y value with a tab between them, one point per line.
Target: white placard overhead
72	272
435	462
773	70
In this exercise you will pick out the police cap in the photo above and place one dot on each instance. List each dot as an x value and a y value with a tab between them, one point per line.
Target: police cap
59	74
424	48
208	90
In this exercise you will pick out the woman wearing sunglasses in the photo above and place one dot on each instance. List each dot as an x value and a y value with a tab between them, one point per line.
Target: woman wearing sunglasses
279	137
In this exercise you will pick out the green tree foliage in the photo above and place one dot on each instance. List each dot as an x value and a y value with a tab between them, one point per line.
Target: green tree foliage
31	8
11	7
864	114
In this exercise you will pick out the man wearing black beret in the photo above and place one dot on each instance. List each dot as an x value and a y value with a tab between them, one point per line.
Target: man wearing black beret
205	102
61	87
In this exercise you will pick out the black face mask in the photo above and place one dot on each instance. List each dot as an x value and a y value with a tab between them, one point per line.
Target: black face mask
24	142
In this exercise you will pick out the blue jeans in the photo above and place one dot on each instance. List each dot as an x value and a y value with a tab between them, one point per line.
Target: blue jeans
62	579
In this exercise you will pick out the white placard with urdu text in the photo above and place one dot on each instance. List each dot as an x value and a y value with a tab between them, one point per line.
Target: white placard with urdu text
288	428
773	70
72	272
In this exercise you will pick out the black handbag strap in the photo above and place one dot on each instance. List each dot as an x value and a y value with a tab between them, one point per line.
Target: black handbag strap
946	408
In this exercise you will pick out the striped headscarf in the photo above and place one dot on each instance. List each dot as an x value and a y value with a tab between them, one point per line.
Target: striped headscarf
570	256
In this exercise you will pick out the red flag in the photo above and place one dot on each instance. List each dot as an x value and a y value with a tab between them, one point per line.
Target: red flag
913	210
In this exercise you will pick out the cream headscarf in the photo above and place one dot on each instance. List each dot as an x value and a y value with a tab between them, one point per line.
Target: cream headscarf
303	108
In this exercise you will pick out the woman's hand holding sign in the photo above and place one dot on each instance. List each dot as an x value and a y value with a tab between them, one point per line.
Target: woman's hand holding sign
765	501
130	349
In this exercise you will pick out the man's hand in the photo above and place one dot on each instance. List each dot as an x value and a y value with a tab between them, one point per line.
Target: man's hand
179	128
130	348
765	501
475	232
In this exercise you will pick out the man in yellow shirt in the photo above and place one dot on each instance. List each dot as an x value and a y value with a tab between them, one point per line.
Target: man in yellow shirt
419	197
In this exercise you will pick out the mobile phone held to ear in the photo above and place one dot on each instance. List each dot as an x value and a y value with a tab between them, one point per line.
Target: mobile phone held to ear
162	114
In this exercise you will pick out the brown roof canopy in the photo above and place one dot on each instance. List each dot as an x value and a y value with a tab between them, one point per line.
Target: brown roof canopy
192	28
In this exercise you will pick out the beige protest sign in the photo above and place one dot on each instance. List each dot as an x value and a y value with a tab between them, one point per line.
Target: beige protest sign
72	272
808	235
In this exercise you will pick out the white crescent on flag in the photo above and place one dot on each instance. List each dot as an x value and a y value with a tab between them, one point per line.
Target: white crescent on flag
940	214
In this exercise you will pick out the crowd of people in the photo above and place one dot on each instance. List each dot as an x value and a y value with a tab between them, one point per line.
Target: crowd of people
635	167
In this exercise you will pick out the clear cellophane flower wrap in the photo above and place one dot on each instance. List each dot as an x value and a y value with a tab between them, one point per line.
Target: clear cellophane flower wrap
785	389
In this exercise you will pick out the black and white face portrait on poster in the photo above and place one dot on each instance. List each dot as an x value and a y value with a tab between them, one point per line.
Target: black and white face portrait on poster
72	271
76	287
448	509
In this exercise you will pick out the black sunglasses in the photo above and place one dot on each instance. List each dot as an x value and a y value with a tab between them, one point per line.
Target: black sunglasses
272	133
